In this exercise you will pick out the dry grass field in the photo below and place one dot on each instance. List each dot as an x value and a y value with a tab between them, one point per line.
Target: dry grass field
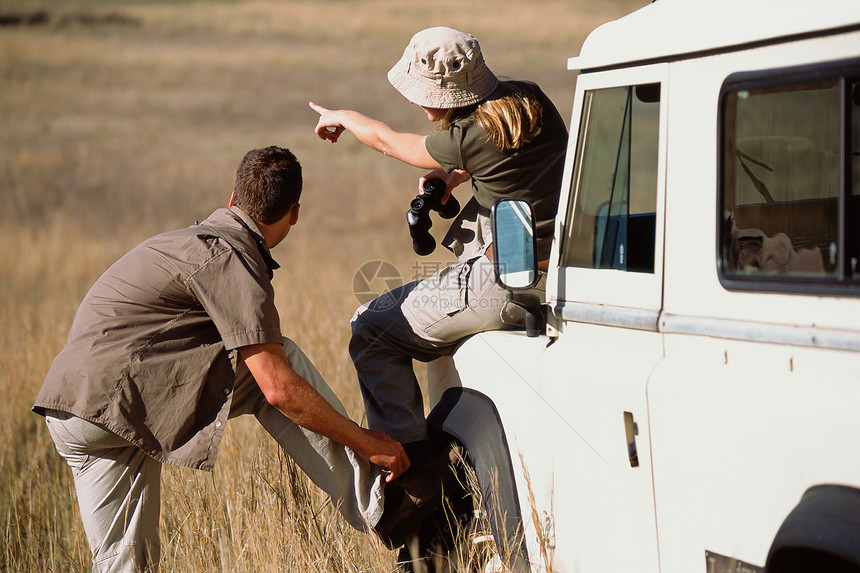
125	118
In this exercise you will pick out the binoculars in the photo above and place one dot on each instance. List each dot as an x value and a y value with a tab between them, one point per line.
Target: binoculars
418	215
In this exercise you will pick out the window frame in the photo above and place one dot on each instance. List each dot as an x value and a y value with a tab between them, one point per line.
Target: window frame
611	288
845	71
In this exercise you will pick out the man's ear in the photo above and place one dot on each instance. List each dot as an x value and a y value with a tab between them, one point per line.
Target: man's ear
294	213
232	199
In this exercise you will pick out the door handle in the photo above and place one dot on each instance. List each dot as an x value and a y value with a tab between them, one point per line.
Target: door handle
631	430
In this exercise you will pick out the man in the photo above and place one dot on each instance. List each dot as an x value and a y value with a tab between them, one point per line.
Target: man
176	337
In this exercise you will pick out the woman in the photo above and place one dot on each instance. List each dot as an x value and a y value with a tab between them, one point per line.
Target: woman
508	139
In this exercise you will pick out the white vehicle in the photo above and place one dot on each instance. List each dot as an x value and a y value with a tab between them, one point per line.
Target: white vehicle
692	402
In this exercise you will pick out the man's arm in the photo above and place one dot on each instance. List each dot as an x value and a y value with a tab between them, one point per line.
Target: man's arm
298	400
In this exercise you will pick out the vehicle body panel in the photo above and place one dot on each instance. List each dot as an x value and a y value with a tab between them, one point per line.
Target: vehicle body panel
737	397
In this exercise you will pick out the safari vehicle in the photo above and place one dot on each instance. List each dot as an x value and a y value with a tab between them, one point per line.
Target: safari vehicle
691	403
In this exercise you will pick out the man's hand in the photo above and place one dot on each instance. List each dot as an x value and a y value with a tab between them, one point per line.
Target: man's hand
385	451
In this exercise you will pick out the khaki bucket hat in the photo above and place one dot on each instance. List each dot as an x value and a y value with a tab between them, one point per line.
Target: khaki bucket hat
443	68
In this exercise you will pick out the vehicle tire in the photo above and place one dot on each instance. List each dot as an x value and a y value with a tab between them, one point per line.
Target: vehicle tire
820	534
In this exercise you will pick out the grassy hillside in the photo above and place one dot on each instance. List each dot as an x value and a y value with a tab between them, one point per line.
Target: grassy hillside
126	118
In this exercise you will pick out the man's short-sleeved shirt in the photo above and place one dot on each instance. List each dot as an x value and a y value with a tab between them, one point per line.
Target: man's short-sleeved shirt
148	354
533	172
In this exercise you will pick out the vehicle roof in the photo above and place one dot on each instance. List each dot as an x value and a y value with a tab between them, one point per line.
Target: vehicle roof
667	29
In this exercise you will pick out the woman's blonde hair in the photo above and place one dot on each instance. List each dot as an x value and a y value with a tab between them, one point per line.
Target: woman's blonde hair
512	116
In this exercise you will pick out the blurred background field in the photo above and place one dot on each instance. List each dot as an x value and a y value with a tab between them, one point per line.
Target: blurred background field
122	119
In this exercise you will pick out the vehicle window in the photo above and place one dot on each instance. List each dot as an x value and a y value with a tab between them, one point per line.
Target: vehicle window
789	182
611	221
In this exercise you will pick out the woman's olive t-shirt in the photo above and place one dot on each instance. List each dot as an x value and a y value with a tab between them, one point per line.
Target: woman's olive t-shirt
533	172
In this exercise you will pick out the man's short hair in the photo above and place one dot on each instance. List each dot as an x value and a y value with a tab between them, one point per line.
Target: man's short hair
268	183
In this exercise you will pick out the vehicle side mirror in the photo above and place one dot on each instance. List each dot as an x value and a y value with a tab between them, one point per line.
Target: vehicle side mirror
514	244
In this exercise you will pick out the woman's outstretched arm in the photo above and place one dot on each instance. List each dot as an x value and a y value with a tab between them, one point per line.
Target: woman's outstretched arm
407	147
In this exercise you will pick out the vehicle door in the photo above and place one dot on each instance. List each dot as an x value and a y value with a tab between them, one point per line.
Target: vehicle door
605	290
755	400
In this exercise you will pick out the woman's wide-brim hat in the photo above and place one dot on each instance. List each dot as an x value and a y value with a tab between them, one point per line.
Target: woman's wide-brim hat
443	68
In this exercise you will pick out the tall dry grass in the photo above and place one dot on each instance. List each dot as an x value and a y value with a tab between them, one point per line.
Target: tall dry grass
125	118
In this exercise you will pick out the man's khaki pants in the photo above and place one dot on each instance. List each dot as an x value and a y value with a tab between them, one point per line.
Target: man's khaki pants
118	486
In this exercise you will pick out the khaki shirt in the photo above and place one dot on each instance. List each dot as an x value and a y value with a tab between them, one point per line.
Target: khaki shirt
149	351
